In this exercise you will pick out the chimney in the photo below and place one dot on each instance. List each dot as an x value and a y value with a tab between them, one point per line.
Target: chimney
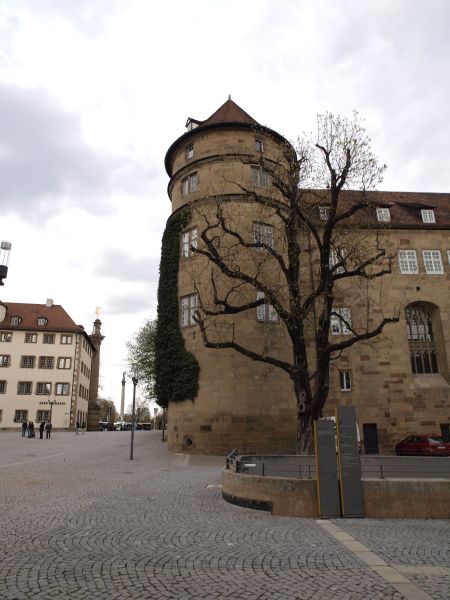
49	303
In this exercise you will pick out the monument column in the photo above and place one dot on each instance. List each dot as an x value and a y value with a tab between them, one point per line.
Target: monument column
93	409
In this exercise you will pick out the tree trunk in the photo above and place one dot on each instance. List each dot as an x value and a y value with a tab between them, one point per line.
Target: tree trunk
305	442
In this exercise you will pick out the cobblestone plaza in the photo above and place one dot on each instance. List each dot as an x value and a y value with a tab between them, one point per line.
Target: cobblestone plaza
79	520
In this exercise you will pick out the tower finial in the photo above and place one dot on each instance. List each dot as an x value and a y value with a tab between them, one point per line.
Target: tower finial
229	96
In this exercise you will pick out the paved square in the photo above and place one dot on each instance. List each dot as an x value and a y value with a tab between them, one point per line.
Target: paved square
80	520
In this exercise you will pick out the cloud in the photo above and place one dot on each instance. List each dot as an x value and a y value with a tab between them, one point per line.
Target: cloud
130	303
119	265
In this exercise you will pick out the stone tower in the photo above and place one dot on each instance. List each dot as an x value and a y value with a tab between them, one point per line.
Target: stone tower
240	402
93	409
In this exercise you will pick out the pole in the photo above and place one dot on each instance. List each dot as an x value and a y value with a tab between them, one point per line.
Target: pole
122	399
133	415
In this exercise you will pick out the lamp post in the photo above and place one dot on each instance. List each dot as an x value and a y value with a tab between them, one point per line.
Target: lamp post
51	402
122	399
5	248
133	414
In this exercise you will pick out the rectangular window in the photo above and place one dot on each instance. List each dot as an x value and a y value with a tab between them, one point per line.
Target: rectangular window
43	388
324	212
428	216
265	312
260	178
28	362
383	214
24	387
66	339
46	362
5	360
15	320
62	389
31	338
189	184
64	362
262	234
189	151
345	381
337	257
259	145
432	261
341	321
49	338
189	239
5	336
188	307
20	416
3	386
42	415
408	261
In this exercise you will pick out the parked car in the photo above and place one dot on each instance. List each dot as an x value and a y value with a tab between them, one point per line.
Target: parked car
423	445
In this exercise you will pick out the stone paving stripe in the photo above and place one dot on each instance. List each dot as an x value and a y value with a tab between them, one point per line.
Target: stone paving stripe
388	572
423	569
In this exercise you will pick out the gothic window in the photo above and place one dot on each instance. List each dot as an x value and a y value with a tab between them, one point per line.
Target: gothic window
422	344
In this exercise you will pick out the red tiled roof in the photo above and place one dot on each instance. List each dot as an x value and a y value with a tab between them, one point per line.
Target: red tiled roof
57	318
229	112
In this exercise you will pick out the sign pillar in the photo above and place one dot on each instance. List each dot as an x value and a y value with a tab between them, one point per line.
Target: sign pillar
352	501
326	469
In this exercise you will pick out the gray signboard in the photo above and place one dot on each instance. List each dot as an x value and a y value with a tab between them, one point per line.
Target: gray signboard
352	501
327	469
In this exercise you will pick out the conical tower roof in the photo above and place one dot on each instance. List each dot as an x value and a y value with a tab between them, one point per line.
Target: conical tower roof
229	112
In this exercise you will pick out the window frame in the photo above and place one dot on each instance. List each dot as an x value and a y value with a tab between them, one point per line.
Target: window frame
64	359
262	234
27	358
406	260
43	411
383	214
66	339
337	326
23	415
7	335
187	242
188	306
3	361
44	393
60	388
259	144
31	337
3	386
189	152
324	212
20	386
345	380
259	177
428	215
47	336
433	261
265	313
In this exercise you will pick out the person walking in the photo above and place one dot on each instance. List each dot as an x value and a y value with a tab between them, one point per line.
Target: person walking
41	429
31	429
24	428
77	427
48	430
83	426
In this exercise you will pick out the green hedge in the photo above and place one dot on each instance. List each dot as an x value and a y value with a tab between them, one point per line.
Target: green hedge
176	369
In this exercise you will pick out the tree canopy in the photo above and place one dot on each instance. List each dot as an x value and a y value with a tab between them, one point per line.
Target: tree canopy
141	357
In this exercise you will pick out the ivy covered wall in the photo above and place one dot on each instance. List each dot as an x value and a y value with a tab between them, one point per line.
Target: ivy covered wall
176	369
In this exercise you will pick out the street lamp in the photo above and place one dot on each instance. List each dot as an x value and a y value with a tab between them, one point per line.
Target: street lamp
5	248
133	414
51	402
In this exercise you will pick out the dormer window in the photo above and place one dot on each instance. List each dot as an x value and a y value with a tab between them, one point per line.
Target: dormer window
383	214
428	216
15	320
189	151
42	321
192	124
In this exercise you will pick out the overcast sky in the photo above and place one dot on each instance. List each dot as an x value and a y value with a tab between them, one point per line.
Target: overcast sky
93	92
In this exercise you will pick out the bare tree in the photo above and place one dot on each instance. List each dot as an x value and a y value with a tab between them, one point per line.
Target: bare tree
315	250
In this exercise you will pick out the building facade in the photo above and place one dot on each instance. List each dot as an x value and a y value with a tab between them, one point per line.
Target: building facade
46	364
399	384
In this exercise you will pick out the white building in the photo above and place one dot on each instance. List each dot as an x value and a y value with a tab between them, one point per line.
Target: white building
45	366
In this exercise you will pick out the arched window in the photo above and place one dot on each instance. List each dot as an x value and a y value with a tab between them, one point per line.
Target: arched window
422	344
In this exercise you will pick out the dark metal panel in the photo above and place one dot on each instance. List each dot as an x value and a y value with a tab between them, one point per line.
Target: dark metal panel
326	468
352	501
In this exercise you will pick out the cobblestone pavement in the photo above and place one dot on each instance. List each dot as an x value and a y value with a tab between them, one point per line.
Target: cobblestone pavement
79	520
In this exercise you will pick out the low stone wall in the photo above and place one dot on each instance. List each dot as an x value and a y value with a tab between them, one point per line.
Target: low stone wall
390	498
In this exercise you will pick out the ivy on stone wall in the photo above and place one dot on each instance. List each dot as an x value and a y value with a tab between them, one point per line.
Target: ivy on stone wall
176	369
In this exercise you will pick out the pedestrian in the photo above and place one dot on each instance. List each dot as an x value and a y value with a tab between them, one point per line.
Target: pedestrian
24	428
77	427
48	429
31	434
28	429
83	426
41	430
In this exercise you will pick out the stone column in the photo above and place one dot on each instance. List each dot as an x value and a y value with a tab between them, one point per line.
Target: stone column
122	399
93	410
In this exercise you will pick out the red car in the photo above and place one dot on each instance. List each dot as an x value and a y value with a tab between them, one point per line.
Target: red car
423	445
